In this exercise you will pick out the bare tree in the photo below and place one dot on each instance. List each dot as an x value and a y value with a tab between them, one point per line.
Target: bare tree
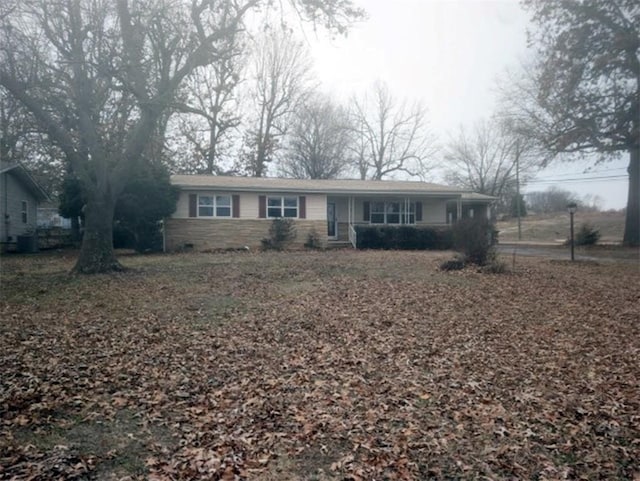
98	75
582	95
319	141
393	136
15	126
209	114
22	140
489	159
552	200
281	80
359	152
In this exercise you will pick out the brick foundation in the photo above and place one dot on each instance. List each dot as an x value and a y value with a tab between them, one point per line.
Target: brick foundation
205	234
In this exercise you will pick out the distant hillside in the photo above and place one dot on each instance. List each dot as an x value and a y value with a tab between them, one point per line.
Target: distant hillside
555	227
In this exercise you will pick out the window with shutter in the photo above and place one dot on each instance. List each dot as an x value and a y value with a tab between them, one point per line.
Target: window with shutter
236	206
282	206
193	205
302	207
214	206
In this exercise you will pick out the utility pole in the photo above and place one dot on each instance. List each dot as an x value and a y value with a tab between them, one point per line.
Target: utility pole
572	207
518	206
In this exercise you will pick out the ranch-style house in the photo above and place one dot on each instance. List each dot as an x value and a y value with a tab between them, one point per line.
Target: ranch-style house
219	212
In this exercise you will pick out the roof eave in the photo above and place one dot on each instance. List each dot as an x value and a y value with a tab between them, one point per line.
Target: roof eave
292	190
480	201
24	175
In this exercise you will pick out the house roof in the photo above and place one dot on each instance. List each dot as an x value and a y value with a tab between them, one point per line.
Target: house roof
475	197
21	172
341	186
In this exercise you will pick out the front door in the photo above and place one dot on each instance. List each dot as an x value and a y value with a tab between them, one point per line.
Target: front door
332	221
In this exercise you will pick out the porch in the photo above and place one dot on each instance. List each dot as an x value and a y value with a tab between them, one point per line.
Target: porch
345	213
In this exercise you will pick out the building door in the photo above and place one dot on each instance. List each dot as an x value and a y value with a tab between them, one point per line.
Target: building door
332	221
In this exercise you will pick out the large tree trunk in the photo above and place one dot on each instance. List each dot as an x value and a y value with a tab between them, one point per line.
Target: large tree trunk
632	222
97	254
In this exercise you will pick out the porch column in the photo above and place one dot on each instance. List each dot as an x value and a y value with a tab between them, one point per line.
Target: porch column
405	215
459	209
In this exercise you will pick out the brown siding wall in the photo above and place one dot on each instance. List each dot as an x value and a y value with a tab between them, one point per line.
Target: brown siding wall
205	234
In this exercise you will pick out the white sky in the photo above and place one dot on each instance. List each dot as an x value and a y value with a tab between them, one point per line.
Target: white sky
448	54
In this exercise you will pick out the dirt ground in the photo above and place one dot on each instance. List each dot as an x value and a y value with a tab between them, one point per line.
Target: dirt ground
319	365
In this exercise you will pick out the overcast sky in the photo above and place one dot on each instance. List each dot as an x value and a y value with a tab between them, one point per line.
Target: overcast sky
447	54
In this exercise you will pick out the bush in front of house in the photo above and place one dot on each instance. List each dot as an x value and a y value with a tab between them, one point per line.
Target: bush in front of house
495	266
281	232
313	240
403	237
475	239
455	264
587	235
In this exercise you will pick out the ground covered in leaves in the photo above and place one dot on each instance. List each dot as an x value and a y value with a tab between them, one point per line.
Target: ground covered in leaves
319	366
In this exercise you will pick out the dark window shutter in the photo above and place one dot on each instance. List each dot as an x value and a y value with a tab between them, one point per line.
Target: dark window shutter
235	203
193	205
302	207
418	211
262	206
365	211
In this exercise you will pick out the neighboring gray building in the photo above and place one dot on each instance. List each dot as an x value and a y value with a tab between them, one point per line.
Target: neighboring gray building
20	195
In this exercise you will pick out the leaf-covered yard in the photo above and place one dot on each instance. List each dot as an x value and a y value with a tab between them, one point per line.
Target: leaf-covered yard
319	366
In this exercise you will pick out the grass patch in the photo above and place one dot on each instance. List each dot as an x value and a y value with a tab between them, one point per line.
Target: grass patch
555	227
112	447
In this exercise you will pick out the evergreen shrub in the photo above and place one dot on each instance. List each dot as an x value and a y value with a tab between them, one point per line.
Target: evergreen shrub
281	232
587	235
404	237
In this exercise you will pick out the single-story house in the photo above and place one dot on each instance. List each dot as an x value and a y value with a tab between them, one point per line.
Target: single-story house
219	212
20	195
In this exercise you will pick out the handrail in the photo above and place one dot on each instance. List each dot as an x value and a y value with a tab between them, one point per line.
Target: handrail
353	236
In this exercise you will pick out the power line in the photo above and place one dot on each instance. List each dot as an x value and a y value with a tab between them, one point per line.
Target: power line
553	176
585	172
610	178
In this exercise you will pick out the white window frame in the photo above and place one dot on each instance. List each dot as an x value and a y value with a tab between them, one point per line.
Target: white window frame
404	217
214	206
282	207
377	212
24	211
409	218
389	212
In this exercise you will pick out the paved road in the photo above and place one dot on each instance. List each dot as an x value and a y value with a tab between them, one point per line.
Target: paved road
560	252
